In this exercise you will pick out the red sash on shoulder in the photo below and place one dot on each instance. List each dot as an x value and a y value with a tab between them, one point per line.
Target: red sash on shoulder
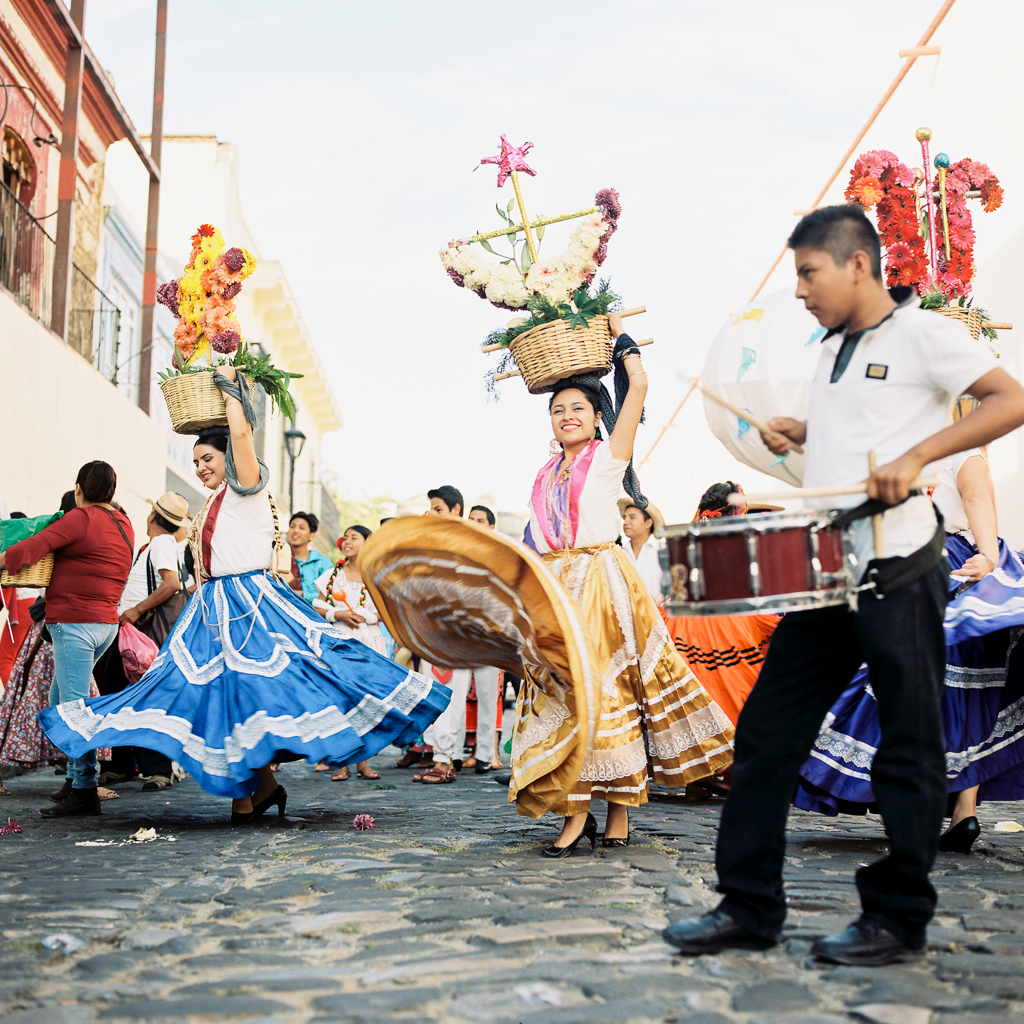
208	526
296	583
442	675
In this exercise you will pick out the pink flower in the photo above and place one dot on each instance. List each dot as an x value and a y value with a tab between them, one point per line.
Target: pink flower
456	277
234	259
961	234
363	822
225	341
167	295
11	828
900	253
232	290
608	200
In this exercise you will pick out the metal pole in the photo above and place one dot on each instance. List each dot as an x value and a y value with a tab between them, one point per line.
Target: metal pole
291	486
73	66
153	212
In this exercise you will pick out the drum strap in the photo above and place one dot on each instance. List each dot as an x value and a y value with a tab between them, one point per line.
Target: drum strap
887	575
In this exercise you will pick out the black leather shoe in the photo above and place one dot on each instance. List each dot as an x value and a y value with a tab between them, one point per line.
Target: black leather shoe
78	801
712	933
959	838
864	943
503	779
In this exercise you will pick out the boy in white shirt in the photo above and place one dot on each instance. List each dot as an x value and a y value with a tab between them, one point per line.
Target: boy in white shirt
888	375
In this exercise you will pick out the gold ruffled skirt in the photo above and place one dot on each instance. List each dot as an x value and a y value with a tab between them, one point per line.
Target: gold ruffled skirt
655	721
607	703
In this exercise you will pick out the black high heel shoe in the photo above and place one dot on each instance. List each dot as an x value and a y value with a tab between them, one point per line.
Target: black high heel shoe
608	843
279	797
960	838
589	833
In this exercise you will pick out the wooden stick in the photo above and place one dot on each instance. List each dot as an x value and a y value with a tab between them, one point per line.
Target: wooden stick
753	421
920	484
922	51
995	326
876	520
519	373
628	312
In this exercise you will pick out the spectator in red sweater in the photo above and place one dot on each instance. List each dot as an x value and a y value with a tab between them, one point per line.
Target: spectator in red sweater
93	546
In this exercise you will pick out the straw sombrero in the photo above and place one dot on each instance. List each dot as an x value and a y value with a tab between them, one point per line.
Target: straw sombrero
652	510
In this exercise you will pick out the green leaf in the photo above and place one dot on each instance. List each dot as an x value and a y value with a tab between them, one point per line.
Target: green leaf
501	212
511	236
511	203
487	246
540	233
525	260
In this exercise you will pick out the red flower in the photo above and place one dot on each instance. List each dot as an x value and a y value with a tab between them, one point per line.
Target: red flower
991	195
961	234
900	253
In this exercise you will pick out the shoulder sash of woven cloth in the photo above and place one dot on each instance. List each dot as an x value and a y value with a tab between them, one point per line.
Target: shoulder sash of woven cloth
545	481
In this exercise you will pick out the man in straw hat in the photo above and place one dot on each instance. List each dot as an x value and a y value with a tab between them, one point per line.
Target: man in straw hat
638	527
153	580
886	381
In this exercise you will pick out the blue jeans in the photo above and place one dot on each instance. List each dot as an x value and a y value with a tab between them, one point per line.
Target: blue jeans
77	647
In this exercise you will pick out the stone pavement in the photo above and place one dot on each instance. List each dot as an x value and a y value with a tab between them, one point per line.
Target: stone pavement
446	912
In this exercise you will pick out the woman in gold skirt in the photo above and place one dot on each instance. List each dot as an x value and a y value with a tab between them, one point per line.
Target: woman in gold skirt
607	703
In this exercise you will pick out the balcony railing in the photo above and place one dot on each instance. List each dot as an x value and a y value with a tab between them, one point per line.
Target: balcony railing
26	270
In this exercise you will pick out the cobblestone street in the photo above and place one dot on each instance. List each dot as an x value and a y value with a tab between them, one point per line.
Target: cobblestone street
446	912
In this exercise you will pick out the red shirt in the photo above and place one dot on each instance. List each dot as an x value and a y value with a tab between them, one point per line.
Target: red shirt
91	567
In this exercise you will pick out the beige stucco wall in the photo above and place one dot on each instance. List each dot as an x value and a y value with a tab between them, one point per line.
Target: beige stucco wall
59	413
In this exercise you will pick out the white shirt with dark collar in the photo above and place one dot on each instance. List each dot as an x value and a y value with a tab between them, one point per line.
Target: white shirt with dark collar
897	390
647	564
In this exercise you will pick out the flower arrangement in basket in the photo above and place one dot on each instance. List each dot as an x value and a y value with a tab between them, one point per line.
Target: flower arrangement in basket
566	332
911	209
203	300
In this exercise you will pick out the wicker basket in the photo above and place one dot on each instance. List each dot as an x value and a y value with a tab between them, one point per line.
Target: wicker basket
970	317
37	575
195	402
554	351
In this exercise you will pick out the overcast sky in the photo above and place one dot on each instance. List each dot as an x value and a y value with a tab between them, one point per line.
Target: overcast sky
358	127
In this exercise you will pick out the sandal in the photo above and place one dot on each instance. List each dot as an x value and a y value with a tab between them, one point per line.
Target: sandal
369	773
438	775
408	759
341	774
107	794
322	766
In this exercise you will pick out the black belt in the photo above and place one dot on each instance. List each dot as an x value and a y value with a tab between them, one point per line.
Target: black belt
886	575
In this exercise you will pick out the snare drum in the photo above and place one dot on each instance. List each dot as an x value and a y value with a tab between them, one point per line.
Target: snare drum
748	565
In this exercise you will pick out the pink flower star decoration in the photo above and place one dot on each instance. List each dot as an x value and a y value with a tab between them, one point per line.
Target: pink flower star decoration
511	158
11	828
363	823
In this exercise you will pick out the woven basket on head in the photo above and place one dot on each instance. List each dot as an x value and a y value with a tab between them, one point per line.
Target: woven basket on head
37	575
554	351
970	317
195	402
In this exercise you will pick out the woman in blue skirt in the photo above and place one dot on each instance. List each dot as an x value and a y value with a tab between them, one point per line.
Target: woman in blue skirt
983	709
250	674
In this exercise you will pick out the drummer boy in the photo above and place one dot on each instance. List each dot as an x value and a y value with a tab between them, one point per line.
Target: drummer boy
887	377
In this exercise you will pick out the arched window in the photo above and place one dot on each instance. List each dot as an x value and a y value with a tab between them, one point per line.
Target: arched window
18	167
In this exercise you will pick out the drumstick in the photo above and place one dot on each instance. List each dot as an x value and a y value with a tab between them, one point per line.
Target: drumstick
876	520
920	484
744	415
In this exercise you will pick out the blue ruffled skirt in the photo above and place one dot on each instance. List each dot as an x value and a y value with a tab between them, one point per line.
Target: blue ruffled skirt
983	703
249	674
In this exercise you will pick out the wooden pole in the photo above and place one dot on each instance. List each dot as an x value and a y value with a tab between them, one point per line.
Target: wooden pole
920	484
925	39
876	520
752	420
153	213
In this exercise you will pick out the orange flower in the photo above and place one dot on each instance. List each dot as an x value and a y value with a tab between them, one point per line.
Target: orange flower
868	191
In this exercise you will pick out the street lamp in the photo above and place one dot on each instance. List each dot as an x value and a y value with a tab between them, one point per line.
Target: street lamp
293	441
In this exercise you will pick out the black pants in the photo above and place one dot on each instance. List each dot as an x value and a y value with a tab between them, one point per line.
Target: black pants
110	678
812	657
